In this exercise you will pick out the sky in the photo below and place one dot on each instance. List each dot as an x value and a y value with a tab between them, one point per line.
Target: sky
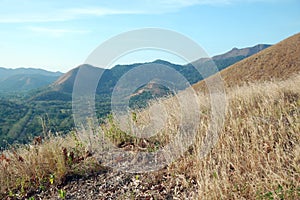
58	35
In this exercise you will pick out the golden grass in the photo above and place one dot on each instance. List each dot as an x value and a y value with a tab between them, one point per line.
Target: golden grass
26	168
277	62
257	155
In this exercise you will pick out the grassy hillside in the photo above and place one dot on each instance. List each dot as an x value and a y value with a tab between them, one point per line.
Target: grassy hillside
257	155
279	61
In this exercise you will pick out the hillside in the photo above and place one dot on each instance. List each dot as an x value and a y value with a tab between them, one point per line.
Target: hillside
232	56
25	82
24	79
256	157
244	52
280	61
110	76
7	72
152	90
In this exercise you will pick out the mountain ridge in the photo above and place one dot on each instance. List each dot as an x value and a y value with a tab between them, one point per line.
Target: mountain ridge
24	79
235	52
110	76
279	61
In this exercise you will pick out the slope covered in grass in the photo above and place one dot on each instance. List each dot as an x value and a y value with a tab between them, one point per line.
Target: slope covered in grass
257	155
277	62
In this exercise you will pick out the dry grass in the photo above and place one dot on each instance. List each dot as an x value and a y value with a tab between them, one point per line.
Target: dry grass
257	155
26	168
277	62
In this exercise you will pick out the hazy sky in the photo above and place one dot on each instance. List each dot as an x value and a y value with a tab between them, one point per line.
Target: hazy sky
59	35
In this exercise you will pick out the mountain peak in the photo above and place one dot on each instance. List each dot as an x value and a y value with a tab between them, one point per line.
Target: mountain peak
279	61
243	52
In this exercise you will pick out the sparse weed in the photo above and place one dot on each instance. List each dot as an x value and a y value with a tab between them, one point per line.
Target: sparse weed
61	194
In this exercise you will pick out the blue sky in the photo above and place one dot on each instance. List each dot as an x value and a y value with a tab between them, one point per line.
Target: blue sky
59	35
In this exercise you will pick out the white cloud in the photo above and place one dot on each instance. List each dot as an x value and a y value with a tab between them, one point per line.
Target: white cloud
98	11
55	32
61	15
26	11
22	11
30	18
184	3
187	3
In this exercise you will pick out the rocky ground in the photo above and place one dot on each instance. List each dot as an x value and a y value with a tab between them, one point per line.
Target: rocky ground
110	184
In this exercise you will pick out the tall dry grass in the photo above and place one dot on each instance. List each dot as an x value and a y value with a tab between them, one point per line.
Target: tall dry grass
34	167
258	152
257	155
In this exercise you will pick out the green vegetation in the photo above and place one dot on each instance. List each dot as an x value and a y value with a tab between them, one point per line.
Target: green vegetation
22	120
61	194
24	117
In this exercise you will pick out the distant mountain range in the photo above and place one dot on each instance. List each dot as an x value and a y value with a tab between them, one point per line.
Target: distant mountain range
24	79
63	87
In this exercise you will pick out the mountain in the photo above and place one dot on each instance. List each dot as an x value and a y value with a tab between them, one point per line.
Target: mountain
24	79
279	61
6	72
108	80
65	82
24	82
110	76
244	52
224	60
